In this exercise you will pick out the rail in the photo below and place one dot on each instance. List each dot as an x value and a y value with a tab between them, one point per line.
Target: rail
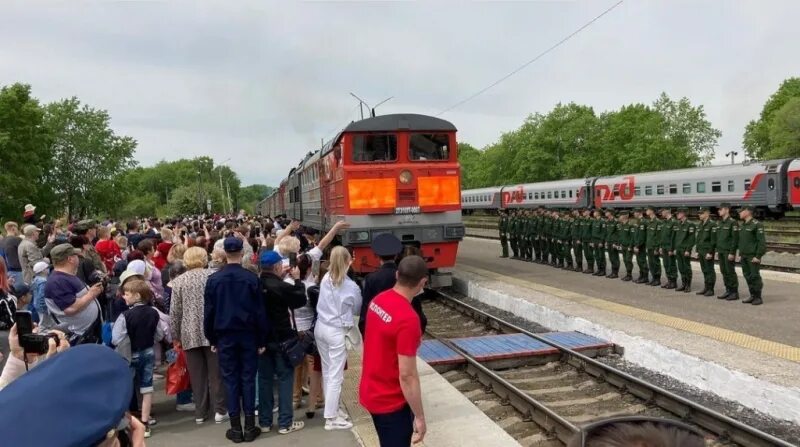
717	423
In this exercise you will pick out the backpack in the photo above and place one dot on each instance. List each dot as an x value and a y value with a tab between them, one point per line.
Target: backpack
8	307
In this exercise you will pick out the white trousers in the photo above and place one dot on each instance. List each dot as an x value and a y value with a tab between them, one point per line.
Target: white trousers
332	352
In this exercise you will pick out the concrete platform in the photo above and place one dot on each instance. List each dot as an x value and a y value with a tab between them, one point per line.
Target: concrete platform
452	419
749	354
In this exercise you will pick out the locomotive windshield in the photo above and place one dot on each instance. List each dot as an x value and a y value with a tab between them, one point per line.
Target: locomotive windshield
374	147
426	146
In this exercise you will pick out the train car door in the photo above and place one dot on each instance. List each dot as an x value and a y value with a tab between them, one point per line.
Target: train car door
794	188
773	191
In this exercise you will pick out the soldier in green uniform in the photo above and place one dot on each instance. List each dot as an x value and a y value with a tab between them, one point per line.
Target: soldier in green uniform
726	245
612	243
576	235
556	239
706	240
566	234
667	248
534	235
598	240
547	226
512	234
626	232
586	240
502	225
88	229
522	237
653	245
752	247
685	234
639	241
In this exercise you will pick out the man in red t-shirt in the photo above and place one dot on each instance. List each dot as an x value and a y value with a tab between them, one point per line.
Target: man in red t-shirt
389	386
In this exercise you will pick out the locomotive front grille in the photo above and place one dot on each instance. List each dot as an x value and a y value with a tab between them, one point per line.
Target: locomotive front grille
406	196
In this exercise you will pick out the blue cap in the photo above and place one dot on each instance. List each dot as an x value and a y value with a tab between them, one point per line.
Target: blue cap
232	244
40	408
269	258
386	244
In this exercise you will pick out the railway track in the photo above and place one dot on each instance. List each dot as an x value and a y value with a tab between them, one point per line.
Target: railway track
544	404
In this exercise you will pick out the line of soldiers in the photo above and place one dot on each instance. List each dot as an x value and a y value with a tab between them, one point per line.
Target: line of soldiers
564	239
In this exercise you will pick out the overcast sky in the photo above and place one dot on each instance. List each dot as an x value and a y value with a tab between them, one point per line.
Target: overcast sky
263	82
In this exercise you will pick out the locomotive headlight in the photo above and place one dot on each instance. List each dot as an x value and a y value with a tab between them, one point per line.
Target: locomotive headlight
358	236
405	177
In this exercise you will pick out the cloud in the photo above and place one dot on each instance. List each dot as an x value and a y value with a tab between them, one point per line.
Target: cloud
265	81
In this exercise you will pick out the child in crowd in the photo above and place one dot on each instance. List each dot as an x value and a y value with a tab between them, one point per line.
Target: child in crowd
140	325
38	307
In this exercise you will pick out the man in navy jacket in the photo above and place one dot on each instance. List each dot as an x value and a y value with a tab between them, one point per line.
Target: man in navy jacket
235	323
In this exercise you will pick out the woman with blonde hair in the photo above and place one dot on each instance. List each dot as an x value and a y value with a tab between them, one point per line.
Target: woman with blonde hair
339	302
186	315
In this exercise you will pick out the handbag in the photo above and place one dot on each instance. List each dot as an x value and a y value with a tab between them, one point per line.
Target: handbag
178	375
296	348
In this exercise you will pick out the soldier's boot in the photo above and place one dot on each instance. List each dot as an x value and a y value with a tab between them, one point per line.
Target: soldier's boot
579	267
755	299
725	295
687	286
614	274
627	277
734	296
671	284
642	279
705	289
655	282
589	270
710	291
666	284
682	287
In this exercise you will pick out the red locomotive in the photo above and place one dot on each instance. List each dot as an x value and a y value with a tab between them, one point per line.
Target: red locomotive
386	174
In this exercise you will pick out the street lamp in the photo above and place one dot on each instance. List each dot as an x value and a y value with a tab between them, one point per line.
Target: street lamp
222	191
732	154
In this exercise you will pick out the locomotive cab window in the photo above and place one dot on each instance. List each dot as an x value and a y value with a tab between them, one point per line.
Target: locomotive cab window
370	148
426	146
716	186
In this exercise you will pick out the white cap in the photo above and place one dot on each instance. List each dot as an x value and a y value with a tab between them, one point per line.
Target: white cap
29	208
39	267
137	266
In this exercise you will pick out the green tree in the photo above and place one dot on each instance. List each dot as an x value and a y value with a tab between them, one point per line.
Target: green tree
784	131
757	135
24	155
87	157
688	129
191	199
250	195
469	158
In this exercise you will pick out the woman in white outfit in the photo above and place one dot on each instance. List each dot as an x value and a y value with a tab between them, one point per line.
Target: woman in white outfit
339	301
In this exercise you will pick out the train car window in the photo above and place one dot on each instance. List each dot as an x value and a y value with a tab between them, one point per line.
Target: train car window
371	148
648	190
549	194
687	188
771	184
797	182
716	186
536	195
673	189
701	187
747	184
563	194
731	186
427	146
530	196
637	191
660	190
570	193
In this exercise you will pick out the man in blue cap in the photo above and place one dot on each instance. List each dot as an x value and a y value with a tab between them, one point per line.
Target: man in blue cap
38	408
235	323
386	246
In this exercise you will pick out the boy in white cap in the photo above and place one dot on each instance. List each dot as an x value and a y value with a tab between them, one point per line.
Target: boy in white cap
38	307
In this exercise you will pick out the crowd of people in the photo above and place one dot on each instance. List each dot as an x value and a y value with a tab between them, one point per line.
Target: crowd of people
262	309
256	306
564	238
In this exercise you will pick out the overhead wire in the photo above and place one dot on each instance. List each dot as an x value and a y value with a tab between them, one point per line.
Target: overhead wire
526	64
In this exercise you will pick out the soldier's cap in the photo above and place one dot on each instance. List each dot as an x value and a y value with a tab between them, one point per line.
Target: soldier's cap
668	210
747	207
683	210
724	205
104	391
703	209
84	225
61	252
637	210
651	207
624	214
610	211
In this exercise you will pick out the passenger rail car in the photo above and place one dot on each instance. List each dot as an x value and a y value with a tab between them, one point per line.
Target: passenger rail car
387	174
772	187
